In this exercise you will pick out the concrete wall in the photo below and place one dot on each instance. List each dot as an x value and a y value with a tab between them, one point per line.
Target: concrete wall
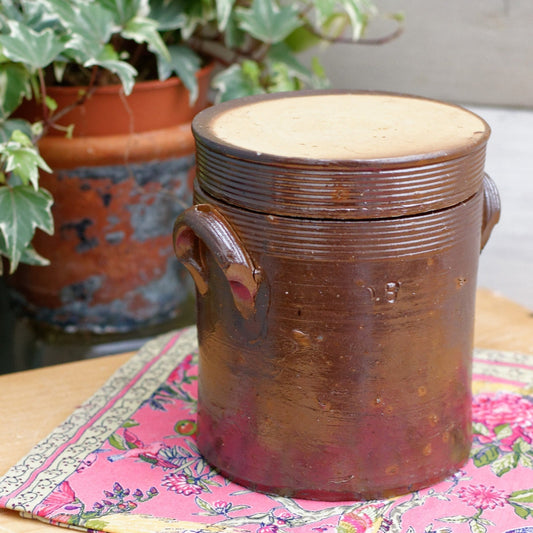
473	51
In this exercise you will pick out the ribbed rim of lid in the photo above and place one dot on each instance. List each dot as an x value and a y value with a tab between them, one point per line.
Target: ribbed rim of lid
352	188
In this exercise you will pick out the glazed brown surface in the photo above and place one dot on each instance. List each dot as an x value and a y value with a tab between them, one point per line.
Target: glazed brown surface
351	376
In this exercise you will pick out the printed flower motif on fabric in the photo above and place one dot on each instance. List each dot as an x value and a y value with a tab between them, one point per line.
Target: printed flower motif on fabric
173	390
503	431
75	513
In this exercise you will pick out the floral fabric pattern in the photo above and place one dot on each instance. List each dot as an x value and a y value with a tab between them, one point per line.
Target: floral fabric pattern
140	471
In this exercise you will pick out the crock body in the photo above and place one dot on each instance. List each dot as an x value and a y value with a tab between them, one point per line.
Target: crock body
335	361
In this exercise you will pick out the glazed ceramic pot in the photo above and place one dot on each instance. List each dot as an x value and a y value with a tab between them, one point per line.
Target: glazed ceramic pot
118	183
334	244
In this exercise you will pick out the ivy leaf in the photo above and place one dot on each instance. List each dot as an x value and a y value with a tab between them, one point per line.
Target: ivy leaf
123	70
169	15
281	53
269	22
358	12
14	86
324	9
234	37
144	30
90	27
8	127
184	62
282	79
123	10
22	159
24	45
301	39
31	257
23	209
224	8
237	80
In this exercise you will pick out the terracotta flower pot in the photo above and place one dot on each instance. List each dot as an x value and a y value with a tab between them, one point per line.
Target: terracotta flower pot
117	185
334	245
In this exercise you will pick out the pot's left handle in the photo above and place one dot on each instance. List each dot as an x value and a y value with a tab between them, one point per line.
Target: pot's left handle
202	226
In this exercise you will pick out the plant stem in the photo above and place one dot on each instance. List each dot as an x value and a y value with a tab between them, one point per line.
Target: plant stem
346	40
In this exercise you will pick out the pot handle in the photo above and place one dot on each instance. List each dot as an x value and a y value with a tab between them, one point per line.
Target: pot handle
202	226
491	208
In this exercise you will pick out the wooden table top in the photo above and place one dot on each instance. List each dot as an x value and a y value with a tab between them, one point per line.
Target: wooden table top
34	402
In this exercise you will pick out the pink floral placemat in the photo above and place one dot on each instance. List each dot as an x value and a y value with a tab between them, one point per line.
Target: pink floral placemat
126	462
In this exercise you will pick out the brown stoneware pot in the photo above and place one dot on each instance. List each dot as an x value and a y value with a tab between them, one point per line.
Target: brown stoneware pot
334	244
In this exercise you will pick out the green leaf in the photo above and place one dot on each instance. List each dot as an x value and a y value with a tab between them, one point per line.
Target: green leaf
522	512
486	456
478	428
522	497
185	64
144	30
302	39
14	86
526	461
31	257
96	523
269	22
8	128
123	70
27	46
130	423
320	79
21	158
224	8
169	14
503	431
122	10
281	79
22	210
505	464
358	12
235	82
117	441
148	459
90	29
521	446
477	527
204	505
281	53
324	9
457	519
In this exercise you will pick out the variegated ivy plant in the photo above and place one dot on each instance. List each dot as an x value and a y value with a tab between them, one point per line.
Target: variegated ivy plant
95	42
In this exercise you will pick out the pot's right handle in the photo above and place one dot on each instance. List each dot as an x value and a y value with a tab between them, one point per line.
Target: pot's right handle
491	208
202	226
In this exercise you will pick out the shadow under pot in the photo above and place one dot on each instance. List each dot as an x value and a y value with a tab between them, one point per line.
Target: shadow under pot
334	244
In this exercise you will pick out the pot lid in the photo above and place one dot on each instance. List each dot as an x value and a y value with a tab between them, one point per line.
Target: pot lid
340	154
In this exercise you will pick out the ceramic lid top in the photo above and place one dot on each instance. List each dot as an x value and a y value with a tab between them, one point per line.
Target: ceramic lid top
340	153
348	126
